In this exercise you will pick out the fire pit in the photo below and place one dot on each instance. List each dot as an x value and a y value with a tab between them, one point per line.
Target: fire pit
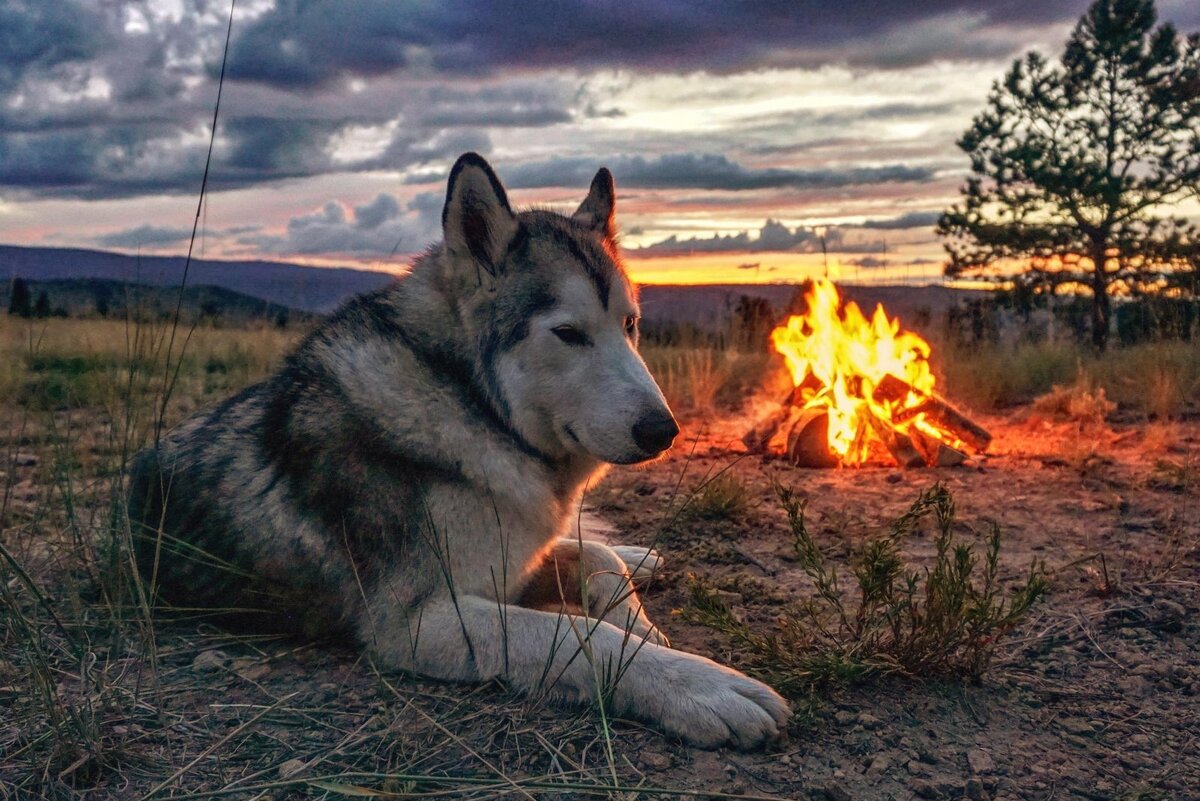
862	392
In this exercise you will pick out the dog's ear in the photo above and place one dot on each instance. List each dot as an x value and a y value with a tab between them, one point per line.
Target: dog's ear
477	221
598	209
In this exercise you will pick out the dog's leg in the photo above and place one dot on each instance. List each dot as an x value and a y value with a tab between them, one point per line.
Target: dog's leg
577	658
583	574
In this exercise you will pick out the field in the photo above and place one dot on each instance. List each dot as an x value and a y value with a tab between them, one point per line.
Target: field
1090	693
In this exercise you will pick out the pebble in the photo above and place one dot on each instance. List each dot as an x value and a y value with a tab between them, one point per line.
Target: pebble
879	765
25	460
290	768
916	768
655	760
1077	726
869	721
211	659
836	792
980	761
925	788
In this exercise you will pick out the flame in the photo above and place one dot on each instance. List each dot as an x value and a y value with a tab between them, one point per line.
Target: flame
837	356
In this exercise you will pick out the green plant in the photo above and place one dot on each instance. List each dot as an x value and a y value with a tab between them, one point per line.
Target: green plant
722	497
944	620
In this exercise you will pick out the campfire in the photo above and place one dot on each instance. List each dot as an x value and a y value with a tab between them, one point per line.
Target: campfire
862	392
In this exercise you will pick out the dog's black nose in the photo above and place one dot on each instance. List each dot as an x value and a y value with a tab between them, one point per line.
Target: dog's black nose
655	432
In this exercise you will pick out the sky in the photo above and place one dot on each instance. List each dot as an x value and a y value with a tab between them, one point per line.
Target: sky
743	136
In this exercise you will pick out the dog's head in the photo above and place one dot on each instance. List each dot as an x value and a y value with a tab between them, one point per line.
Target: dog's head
554	320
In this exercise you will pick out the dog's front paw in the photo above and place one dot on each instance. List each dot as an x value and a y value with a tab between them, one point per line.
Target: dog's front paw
709	705
642	563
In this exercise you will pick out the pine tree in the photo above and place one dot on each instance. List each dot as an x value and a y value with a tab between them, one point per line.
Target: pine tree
1076	165
18	302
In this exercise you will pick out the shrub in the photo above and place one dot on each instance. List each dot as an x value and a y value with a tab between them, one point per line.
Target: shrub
942	621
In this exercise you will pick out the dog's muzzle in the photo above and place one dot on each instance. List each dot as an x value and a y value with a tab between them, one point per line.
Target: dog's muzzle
655	432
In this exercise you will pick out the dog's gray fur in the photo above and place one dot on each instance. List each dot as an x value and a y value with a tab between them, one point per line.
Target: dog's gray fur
410	474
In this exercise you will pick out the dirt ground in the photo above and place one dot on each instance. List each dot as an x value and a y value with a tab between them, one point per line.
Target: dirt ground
1095	696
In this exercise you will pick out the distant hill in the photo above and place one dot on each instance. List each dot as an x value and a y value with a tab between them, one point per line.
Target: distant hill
312	289
320	289
85	297
711	306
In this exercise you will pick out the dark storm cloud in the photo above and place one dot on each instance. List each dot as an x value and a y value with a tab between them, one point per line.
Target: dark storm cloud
913	219
698	171
35	34
144	236
875	262
304	44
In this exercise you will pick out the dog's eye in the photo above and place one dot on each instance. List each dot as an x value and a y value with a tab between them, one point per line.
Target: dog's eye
571	335
631	325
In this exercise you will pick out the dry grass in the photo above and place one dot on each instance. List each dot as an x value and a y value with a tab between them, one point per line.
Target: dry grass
1080	402
702	380
1160	380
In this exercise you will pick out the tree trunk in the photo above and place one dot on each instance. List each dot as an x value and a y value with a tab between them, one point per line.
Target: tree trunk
1101	307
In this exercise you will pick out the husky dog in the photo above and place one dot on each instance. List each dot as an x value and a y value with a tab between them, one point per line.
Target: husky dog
410	474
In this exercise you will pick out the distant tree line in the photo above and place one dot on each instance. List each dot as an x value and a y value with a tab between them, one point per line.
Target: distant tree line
21	305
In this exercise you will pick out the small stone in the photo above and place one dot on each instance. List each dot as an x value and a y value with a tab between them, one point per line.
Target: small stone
980	761
879	765
656	760
975	790
869	721
25	460
1077	726
925	788
844	718
250	669
730	768
916	768
836	792
292	767
211	659
1171	608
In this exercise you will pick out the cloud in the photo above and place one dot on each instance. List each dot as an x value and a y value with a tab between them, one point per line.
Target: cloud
698	171
307	44
148	236
43	36
772	236
375	229
912	219
875	262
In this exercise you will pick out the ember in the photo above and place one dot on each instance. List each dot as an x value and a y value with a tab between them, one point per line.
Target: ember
863	390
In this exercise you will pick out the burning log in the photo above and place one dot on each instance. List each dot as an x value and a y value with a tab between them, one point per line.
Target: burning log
899	444
935	452
938	412
808	440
